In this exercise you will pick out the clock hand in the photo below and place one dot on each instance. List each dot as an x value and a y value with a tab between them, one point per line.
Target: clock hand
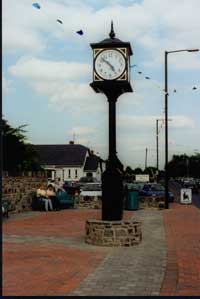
108	63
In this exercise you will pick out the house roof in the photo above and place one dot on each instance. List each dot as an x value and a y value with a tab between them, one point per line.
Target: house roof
62	154
91	163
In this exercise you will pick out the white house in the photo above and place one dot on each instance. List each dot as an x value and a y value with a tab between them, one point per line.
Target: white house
70	161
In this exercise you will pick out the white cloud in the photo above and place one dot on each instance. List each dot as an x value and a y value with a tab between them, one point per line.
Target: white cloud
147	122
22	40
65	83
142	23
47	70
82	131
6	85
181	121
61	83
21	33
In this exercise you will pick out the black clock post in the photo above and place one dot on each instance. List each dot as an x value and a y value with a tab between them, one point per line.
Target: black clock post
111	76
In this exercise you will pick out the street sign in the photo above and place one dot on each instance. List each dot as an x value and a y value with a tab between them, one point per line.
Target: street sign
142	178
186	196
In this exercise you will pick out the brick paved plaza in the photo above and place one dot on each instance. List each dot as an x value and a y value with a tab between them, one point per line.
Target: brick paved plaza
45	254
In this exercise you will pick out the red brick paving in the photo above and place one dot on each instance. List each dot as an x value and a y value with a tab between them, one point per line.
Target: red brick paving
64	223
34	270
182	227
31	269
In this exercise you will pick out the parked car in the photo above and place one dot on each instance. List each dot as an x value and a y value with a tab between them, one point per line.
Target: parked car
71	187
91	189
134	185
85	180
155	189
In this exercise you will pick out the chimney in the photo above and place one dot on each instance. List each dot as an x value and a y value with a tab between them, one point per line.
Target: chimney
71	142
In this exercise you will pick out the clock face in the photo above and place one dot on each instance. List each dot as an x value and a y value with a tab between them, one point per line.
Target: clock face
110	64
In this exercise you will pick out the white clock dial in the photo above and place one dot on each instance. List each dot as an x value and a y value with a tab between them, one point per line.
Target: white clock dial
110	64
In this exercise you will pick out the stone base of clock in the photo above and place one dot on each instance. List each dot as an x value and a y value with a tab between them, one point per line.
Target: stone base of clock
113	233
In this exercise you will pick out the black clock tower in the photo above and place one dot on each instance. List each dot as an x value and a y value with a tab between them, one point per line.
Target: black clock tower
111	76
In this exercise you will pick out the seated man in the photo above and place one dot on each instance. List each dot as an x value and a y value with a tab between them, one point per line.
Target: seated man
59	185
52	196
4	212
5	207
42	194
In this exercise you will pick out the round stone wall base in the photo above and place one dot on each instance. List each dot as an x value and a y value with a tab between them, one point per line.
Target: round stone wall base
113	233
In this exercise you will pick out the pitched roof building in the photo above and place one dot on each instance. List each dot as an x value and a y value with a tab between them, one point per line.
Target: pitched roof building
69	161
62	154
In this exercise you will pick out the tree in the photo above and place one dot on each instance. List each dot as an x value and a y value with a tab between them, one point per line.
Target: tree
129	174
184	165
138	170
17	154
129	170
151	171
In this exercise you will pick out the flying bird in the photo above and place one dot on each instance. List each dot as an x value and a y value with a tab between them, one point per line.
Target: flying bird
36	5
80	32
59	21
194	88
139	72
147	77
174	90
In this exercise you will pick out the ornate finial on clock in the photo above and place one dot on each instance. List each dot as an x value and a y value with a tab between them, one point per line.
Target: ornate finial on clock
112	33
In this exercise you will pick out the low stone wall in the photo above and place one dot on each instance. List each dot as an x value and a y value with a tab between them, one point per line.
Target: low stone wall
113	233
86	202
18	191
157	202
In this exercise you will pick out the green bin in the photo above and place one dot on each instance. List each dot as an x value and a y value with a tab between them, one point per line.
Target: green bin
132	200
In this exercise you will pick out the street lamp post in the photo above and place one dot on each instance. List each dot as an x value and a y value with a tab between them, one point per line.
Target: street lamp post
166	121
157	143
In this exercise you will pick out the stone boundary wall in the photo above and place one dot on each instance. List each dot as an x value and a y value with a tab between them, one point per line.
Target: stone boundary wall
85	202
113	233
26	173
157	202
18	191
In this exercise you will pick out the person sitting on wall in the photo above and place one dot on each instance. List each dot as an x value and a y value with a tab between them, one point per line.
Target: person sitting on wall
53	184
59	185
51	194
42	194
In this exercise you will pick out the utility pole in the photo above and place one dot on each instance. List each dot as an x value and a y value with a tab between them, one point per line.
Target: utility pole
187	166
157	158
146	158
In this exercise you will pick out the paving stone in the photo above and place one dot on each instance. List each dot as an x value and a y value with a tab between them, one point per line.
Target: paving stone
182	226
137	270
171	249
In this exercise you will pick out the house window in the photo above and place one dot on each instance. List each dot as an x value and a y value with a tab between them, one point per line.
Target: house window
89	174
76	173
69	173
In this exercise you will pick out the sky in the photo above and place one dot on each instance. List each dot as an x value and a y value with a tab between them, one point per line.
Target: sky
47	69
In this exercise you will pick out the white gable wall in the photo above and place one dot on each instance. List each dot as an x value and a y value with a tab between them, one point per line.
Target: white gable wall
69	173
95	174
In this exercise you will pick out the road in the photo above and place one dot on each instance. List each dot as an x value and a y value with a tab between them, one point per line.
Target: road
175	188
